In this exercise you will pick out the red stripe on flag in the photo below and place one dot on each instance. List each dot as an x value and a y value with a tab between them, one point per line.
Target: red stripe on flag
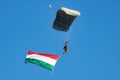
43	54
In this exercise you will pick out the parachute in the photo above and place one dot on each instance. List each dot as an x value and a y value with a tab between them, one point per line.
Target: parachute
47	61
64	19
49	6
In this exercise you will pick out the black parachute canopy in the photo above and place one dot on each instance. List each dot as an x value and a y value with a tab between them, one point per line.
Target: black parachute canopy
64	18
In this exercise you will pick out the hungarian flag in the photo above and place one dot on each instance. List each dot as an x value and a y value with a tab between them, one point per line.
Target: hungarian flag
47	61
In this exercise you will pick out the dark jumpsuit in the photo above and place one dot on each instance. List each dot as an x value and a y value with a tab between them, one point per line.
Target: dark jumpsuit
65	47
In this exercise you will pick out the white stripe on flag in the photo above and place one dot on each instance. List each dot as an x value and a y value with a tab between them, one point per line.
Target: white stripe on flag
42	58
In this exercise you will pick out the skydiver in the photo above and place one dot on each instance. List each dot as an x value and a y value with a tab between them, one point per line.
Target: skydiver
65	47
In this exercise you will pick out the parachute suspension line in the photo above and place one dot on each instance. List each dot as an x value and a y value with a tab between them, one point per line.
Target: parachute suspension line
67	36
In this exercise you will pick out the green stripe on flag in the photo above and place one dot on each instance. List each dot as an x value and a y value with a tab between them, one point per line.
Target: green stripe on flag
39	63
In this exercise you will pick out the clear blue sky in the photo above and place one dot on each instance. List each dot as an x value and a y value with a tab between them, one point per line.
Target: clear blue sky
94	42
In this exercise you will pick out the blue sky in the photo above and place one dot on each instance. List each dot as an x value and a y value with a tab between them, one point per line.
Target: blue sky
94	40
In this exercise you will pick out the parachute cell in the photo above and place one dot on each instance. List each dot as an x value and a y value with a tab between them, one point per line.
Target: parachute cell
64	18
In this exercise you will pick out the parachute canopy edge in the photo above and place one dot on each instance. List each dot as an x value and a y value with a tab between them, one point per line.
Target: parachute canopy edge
64	19
71	11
